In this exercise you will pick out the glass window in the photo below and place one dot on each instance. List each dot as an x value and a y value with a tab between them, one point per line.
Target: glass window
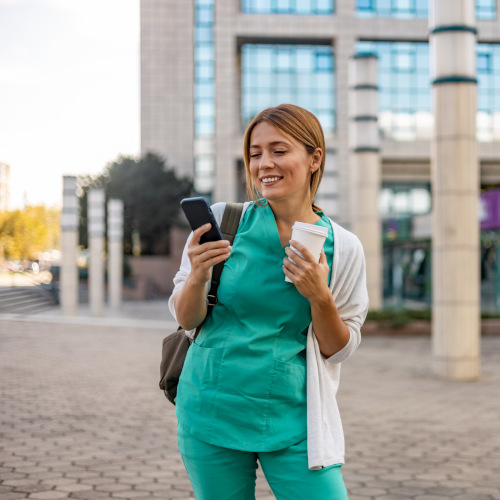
324	62
300	74
204	15
204	77
283	60
204	72
404	89
400	200
485	9
365	4
488	103
483	62
204	174
203	34
301	7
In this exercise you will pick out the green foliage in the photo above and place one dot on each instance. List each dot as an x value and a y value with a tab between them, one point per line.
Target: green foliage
151	194
25	233
398	318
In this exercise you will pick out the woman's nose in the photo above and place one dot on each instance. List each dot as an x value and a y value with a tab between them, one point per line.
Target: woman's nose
265	160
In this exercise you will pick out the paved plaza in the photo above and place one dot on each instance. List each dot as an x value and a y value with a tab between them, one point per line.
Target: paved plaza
82	417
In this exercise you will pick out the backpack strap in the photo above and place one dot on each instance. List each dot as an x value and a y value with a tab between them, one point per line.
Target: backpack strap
231	220
229	228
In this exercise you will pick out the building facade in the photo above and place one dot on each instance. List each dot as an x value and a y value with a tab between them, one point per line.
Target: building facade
208	66
4	187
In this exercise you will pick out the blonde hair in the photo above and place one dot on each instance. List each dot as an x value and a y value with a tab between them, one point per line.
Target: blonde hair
298	123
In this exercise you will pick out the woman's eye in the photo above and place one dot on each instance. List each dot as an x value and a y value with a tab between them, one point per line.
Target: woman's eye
280	152
255	155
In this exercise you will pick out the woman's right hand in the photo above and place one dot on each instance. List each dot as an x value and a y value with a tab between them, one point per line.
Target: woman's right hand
204	256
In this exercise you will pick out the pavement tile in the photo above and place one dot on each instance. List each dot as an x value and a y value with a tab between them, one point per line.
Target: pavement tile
17	482
420	484
397	477
135	480
386	485
483	490
175	494
476	497
493	482
46	475
73	487
49	495
110	487
437	497
90	495
31	488
368	492
13	475
12	495
130	494
58	481
81	474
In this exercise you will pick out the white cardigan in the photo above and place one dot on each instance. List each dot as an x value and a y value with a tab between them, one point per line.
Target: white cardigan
325	436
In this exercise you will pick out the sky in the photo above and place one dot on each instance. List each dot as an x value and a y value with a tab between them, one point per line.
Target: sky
69	91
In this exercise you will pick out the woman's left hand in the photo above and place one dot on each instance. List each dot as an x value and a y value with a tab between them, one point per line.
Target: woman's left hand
309	277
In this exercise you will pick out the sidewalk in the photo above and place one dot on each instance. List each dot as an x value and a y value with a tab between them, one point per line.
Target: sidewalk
82	417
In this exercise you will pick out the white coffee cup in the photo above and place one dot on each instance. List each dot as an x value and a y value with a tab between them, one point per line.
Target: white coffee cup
311	236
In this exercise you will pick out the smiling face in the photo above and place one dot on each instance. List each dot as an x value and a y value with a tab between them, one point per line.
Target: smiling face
280	166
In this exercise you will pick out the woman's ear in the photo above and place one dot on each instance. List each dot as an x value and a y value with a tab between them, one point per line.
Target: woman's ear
317	156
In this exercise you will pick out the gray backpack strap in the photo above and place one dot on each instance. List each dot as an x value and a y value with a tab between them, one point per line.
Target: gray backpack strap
229	228
231	220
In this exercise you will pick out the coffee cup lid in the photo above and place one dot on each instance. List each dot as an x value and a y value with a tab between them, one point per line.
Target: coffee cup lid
311	228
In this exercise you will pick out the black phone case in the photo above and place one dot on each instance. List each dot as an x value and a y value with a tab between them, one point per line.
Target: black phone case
198	213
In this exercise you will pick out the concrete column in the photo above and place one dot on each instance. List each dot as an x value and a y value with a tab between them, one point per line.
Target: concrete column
96	250
344	45
365	167
115	253
69	241
227	118
455	187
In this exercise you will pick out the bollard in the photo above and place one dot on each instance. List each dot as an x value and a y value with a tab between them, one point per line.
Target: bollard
69	240
115	253
96	247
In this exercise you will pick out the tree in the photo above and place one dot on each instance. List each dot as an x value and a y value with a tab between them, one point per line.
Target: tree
151	194
28	232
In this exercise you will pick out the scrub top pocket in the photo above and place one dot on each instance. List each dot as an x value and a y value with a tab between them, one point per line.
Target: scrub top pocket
200	375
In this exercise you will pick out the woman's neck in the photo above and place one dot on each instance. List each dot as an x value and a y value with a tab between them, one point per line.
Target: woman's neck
286	214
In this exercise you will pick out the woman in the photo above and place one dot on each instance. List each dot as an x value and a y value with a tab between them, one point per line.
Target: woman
259	382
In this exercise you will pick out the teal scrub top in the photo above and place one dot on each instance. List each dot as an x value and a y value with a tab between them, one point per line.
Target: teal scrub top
243	384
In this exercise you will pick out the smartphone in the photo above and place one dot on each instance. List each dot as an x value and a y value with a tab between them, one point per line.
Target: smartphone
198	212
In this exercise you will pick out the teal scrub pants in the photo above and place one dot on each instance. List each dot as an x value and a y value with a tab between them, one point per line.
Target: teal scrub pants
225	474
